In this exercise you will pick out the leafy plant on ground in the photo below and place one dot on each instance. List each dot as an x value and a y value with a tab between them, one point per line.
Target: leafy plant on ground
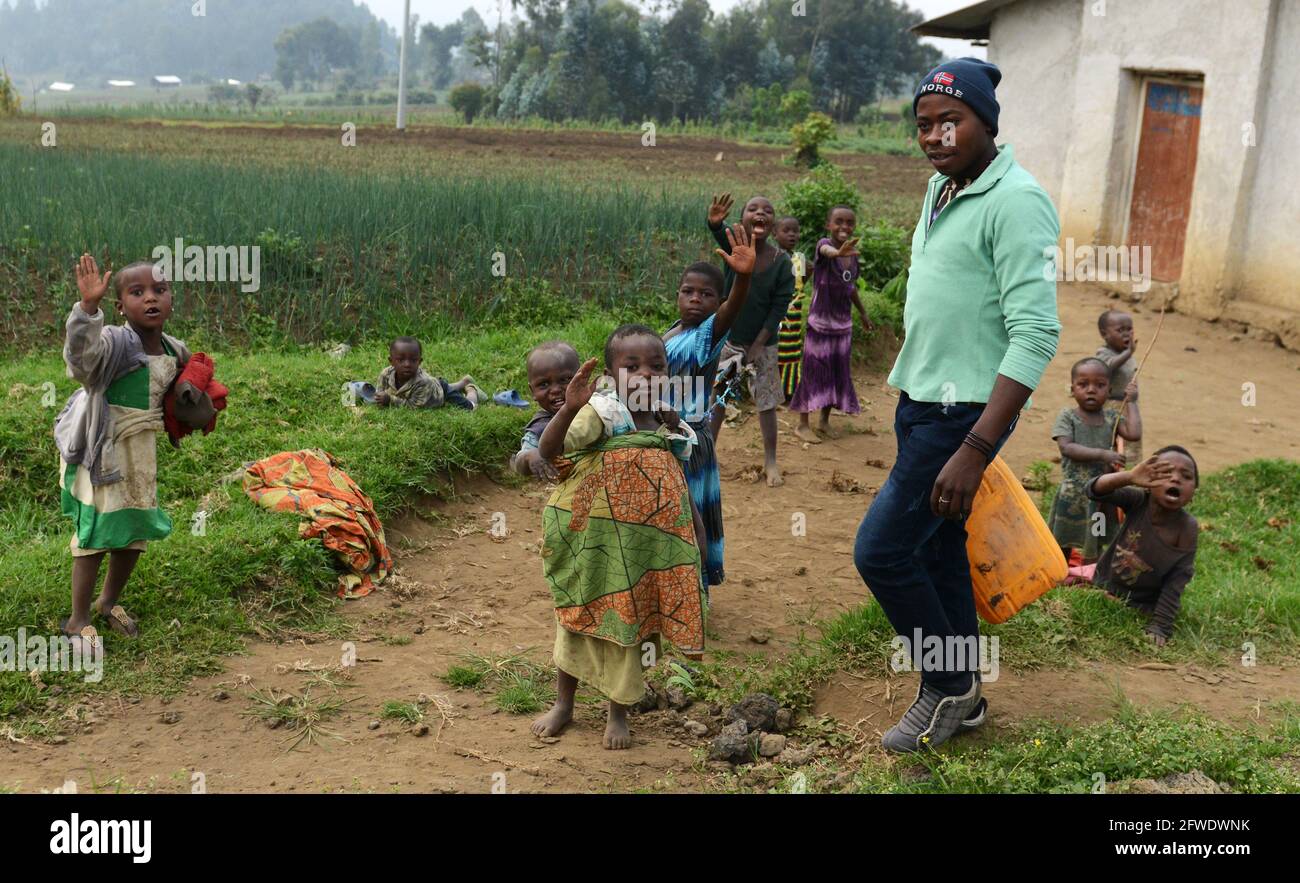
520	686
808	137
811	198
404	711
302	715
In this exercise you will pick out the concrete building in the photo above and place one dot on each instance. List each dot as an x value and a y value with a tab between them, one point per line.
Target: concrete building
1163	123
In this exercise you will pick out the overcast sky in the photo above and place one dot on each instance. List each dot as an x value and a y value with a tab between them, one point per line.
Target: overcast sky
442	12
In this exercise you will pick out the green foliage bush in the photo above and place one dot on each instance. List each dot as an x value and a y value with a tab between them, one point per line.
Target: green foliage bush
467	99
810	199
816	129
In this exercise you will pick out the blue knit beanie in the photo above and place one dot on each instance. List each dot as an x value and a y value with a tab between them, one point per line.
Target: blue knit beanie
970	81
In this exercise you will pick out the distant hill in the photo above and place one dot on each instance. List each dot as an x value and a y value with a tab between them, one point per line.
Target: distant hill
89	41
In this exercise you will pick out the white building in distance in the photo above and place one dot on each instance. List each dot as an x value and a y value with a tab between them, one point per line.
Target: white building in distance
1164	123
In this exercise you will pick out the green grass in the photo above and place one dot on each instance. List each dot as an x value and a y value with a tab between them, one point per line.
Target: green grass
519	685
525	693
1232	601
197	596
1036	758
408	712
383	250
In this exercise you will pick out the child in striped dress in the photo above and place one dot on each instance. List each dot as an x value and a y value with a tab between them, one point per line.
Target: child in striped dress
789	335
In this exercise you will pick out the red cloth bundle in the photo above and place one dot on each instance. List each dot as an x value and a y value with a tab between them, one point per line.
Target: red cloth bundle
194	399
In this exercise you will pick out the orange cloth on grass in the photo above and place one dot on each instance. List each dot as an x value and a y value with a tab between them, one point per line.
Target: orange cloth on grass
310	483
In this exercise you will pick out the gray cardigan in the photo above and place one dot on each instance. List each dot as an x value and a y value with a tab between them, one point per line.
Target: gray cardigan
97	356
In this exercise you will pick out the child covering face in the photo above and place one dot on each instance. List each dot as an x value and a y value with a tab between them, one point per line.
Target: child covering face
1153	558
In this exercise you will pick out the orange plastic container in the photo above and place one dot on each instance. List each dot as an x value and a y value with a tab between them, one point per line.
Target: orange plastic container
1013	556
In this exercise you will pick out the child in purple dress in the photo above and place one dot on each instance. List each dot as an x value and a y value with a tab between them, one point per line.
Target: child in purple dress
826	380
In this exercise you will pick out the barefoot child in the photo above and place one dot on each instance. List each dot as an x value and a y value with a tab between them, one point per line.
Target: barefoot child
826	380
620	547
1117	332
693	344
789	334
551	366
107	436
1084	434
753	336
404	384
1154	556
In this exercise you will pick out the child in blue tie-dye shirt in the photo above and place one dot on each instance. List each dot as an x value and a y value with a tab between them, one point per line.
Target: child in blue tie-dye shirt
693	344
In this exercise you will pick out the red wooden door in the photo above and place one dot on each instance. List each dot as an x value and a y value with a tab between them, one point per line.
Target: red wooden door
1162	178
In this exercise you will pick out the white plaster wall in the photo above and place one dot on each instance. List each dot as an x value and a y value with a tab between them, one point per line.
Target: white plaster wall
1269	271
1069	101
1035	44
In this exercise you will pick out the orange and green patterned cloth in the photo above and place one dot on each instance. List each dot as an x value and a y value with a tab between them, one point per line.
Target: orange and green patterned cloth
338	512
619	551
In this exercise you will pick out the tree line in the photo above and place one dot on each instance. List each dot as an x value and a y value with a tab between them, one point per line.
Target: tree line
676	59
89	41
562	59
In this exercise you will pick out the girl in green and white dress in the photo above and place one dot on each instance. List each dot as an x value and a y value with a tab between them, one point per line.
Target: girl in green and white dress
107	436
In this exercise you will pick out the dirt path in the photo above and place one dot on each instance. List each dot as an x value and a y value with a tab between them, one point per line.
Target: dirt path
460	592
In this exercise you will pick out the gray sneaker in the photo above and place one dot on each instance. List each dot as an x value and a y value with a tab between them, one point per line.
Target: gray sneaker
976	718
932	720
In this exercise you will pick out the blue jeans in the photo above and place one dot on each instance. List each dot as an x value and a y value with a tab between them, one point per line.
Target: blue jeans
912	560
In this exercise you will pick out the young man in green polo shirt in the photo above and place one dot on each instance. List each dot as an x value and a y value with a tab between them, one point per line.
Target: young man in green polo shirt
980	326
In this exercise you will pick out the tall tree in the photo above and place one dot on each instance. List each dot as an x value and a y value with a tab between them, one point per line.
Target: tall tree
308	52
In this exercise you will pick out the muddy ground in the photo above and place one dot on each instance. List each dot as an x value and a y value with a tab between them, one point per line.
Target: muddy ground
460	592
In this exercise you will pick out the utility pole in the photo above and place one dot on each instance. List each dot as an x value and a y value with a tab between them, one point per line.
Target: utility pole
401	68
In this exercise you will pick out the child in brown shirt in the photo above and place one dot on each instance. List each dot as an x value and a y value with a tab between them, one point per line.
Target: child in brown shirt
1154	556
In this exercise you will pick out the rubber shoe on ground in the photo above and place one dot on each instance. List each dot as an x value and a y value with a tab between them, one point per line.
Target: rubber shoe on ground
932	720
510	398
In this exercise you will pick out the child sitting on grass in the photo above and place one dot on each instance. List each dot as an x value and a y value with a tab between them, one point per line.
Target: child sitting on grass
551	366
404	384
1120	341
620	549
693	343
826	379
1084	435
106	435
1154	556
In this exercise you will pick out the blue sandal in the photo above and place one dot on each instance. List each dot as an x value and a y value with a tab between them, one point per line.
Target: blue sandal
510	398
